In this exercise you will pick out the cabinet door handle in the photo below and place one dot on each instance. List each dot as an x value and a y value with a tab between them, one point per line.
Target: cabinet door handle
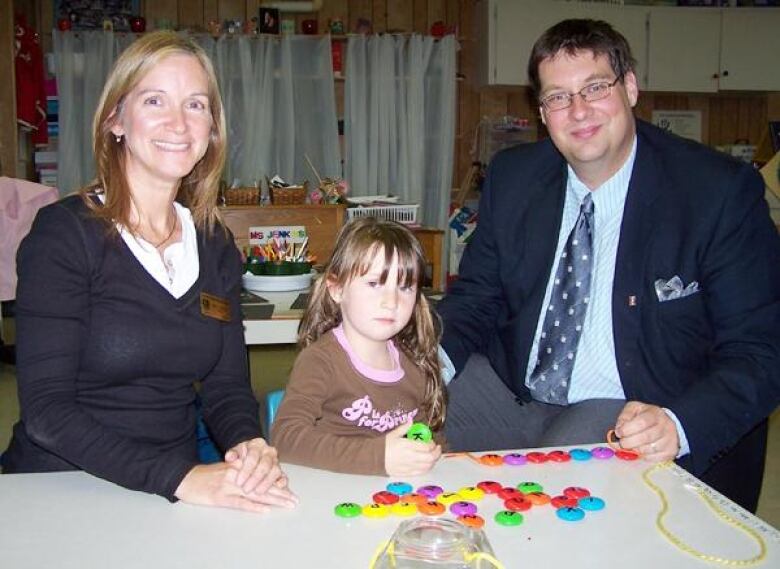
715	76
726	73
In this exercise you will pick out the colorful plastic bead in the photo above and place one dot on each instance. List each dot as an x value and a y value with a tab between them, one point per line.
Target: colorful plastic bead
472	493
376	510
591	503
515	459
602	453
491	460
385	497
399	488
536	457
419	432
404	509
564	502
570	514
623	454
489	486
431	508
580	454
448	498
538	498
472	521
528	487
347	510
507	518
558	456
463	508
576	492
430	492
509	493
517	504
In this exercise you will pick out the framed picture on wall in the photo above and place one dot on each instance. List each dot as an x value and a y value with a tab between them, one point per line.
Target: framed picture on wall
268	21
94	14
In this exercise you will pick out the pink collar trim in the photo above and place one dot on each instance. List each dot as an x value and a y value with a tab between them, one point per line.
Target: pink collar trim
379	375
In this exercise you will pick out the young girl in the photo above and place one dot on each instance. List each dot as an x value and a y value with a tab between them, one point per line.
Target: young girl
369	365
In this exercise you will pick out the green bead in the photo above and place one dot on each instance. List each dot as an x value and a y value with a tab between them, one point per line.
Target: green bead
529	487
348	510
419	432
507	518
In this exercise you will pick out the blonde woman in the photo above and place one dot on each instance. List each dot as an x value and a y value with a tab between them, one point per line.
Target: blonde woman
128	295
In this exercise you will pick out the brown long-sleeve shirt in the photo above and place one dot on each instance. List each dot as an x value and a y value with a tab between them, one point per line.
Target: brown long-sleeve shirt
335	418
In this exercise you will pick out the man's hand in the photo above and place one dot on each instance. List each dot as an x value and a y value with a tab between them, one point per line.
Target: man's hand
405	457
648	430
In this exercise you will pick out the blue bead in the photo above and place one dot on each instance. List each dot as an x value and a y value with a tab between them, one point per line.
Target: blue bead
570	514
591	503
580	454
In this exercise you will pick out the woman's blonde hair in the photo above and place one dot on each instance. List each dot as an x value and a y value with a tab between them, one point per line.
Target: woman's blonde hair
357	245
200	188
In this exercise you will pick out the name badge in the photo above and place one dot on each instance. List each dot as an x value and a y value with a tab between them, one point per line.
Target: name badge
214	307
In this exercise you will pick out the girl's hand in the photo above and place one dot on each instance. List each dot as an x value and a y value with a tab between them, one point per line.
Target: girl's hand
256	464
215	485
404	457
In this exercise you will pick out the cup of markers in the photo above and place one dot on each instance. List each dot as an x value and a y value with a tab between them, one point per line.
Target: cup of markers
278	258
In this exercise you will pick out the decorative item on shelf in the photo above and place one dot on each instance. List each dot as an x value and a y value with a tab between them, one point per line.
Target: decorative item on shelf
138	24
242	195
337	57
309	27
250	27
268	21
108	25
288	26
64	24
283	193
331	190
363	26
214	28
336	26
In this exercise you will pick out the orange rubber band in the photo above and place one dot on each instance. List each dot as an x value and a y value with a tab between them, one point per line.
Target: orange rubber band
613	443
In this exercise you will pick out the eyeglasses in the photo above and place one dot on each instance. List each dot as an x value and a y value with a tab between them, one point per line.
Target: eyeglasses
589	93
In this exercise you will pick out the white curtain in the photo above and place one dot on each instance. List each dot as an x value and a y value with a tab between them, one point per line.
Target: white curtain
278	94
400	120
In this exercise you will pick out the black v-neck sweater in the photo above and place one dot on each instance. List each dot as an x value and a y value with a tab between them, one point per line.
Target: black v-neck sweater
107	359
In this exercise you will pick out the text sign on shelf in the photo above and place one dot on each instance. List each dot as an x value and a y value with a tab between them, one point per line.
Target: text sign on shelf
290	234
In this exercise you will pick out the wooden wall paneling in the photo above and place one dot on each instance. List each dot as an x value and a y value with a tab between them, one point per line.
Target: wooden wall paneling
773	106
231	10
360	9
520	105
210	11
379	11
743	120
420	17
46	24
728	120
335	9
701	103
191	15
437	12
400	15
714	122
452	13
759	124
157	10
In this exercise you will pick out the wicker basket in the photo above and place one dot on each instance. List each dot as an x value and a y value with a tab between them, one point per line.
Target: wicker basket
291	195
242	196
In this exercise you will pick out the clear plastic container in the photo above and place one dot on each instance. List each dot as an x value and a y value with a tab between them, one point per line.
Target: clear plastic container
436	543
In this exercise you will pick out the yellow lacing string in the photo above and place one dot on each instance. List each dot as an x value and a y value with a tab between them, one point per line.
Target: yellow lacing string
680	544
478	556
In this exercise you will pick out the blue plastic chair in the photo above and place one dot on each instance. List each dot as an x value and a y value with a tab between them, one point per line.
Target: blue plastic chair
272	400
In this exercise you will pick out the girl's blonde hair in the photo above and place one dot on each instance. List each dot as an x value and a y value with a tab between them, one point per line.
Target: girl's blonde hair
357	245
200	188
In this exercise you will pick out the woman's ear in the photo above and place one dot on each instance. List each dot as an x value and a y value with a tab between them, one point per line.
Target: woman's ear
115	120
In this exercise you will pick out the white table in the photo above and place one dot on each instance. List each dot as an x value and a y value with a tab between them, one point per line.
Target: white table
282	327
72	520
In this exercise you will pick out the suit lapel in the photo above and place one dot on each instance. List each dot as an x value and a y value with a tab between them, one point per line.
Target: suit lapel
640	220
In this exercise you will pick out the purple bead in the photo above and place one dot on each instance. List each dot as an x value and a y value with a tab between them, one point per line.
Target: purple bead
463	509
602	453
515	459
430	492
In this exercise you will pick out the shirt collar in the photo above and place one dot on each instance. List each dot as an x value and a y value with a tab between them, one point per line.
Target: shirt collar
609	197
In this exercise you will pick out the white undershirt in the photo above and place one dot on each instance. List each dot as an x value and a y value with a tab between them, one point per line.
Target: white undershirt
181	265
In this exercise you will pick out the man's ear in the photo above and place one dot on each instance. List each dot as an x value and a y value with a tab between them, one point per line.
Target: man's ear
541	115
632	88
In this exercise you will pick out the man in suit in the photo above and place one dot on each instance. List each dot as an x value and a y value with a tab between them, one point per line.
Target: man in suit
619	277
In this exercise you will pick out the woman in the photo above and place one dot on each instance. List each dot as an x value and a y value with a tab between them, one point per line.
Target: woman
129	294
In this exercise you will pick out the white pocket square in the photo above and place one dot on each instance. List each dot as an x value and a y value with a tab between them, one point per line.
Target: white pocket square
674	289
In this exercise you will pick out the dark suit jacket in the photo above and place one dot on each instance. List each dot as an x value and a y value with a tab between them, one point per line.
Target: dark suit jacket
713	358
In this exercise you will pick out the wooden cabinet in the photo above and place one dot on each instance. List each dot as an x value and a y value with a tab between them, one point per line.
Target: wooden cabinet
322	223
508	30
678	49
683	50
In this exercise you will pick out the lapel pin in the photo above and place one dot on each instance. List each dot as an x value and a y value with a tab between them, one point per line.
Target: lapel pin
632	300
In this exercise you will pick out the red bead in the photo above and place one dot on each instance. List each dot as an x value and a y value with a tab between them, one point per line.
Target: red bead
626	454
576	492
385	497
517	504
564	502
559	456
536	457
489	486
509	492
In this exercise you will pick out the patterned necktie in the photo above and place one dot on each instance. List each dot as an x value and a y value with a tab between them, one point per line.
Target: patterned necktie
565	315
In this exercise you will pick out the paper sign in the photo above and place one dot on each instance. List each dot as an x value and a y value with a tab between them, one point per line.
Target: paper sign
682	123
290	234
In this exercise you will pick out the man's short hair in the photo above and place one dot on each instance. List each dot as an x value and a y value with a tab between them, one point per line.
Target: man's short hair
571	36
